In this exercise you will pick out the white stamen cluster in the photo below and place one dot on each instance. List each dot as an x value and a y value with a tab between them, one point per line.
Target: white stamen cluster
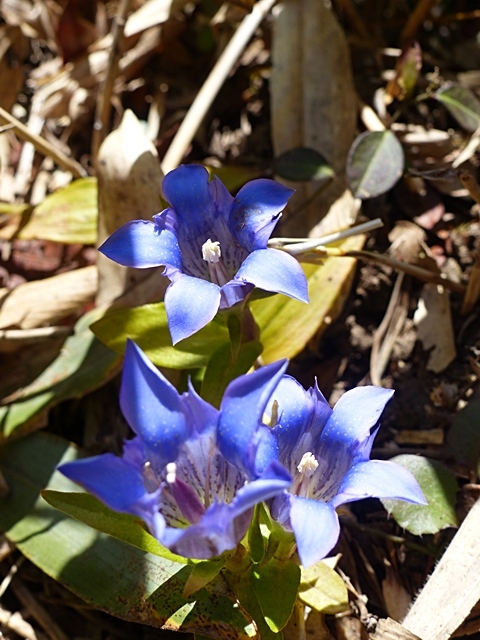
308	464
211	251
171	469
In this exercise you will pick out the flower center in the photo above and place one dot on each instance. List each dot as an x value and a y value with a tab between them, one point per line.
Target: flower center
306	468
307	465
212	254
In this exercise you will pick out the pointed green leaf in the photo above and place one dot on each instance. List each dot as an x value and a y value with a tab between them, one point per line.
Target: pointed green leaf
87	509
322	589
439	486
276	587
462	104
302	164
202	574
241	585
148	327
374	164
106	572
286	325
68	215
83	364
221	369
256	541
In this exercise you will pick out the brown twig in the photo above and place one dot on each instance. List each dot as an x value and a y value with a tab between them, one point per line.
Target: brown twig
470	183
320	254
472	293
105	90
37	611
416	19
42	145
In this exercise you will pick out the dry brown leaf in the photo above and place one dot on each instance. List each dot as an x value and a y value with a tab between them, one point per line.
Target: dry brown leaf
433	319
13	51
45	302
129	180
396	597
313	99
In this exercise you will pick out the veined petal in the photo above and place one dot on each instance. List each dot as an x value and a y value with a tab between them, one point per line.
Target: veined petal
256	210
152	406
221	197
190	304
354	416
241	412
187	190
274	270
379	479
140	244
316	528
217	531
119	485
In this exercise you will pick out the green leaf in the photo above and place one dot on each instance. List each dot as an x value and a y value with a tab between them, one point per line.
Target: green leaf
83	364
302	164
241	585
286	325
105	572
87	509
462	104
439	486
464	435
221	369
322	589
276	587
256	541
148	327
202	574
374	164
69	215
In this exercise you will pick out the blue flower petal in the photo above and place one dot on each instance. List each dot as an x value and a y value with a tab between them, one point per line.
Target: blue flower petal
274	270
190	304
223	525
152	406
187	190
203	415
300	412
255	212
241	412
119	485
316	528
379	479
140	244
354	416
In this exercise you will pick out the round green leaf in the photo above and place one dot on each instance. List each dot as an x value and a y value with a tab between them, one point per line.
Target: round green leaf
374	164
439	486
302	164
464	435
462	104
322	589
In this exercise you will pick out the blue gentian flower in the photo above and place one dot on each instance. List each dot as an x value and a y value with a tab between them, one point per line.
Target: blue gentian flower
327	453
213	246
195	496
